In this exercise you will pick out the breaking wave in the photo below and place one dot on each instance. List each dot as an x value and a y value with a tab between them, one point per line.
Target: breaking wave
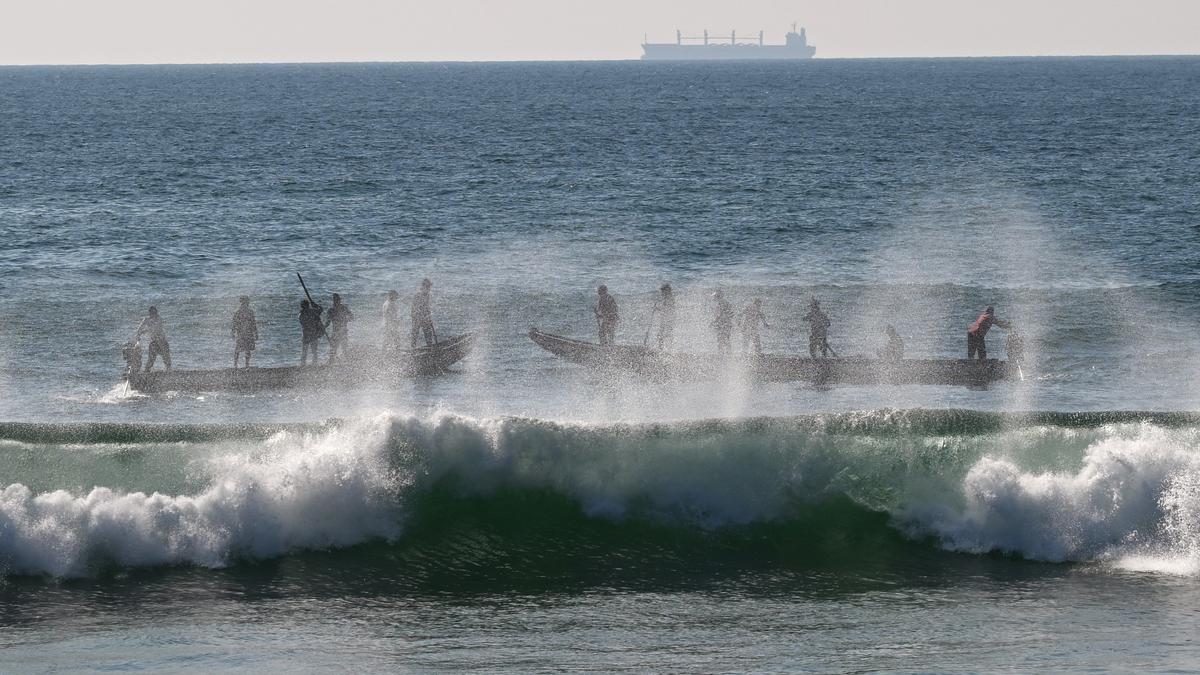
1116	489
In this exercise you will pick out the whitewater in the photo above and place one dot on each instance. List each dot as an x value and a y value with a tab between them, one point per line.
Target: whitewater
1122	494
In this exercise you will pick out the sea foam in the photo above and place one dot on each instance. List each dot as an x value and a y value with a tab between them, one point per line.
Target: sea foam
294	491
1124	494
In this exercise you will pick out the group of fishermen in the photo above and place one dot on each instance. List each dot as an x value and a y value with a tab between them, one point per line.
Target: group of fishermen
316	322
751	318
334	325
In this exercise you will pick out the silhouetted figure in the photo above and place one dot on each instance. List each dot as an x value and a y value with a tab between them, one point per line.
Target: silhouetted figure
607	316
818	330
978	331
722	323
391	321
666	317
753	317
152	328
893	350
244	330
132	353
311	330
422	315
337	320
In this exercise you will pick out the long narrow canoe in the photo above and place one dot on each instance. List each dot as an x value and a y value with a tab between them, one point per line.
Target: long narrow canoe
657	364
361	366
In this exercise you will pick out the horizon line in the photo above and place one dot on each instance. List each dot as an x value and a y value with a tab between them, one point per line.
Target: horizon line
593	60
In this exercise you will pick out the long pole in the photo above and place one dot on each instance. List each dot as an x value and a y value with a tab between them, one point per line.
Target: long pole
825	346
650	327
306	294
313	303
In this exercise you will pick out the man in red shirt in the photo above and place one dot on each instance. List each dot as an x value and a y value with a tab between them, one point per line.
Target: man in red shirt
978	331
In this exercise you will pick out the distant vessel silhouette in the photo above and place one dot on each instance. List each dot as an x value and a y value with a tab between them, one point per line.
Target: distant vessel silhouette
726	47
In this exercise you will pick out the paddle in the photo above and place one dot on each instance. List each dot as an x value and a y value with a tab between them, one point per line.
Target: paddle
437	349
650	327
310	300
1014	338
831	350
129	372
302	285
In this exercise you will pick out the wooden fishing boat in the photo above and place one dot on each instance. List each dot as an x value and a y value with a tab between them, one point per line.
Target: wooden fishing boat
361	366
661	365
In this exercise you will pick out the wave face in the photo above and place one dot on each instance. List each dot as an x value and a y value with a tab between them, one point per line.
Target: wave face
1119	489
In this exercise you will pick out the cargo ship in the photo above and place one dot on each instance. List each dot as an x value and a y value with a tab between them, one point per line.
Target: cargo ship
708	47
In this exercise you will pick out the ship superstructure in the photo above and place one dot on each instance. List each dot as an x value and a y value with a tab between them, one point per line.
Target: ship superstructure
708	47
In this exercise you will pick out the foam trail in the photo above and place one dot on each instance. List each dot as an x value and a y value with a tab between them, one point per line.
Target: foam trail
119	393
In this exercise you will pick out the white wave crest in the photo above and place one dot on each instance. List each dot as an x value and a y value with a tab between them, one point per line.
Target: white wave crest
1133	502
298	491
1126	495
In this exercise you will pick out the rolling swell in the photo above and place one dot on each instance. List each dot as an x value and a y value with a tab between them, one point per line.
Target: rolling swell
511	494
877	421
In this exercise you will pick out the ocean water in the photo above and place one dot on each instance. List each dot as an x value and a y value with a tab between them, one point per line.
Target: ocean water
524	514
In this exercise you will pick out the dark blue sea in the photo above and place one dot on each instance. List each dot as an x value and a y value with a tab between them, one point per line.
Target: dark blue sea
524	514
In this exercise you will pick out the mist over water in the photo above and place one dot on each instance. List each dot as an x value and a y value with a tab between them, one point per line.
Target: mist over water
529	491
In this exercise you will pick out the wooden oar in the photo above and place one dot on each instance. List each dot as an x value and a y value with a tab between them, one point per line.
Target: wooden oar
302	285
650	327
831	351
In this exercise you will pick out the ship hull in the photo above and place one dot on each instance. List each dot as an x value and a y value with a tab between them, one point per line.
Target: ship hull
673	52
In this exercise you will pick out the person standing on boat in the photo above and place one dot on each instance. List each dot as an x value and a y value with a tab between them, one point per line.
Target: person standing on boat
422	315
337	321
818	330
722	323
894	349
244	330
152	328
391	322
753	317
978	331
607	316
666	317
311	330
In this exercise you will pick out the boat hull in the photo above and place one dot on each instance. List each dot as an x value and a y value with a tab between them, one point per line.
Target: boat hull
656	364
363	366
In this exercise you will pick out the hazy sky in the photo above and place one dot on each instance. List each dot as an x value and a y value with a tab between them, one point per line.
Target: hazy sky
188	31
